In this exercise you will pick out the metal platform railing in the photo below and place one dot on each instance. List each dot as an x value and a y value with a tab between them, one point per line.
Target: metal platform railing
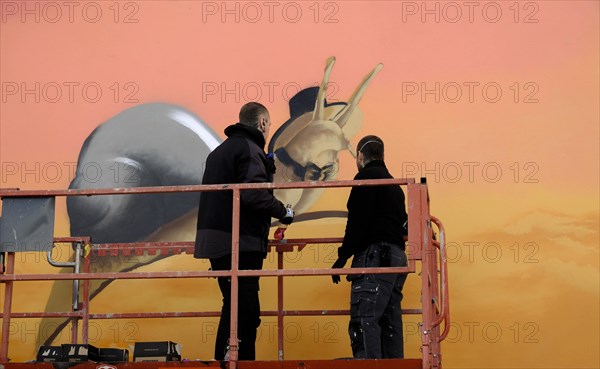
421	246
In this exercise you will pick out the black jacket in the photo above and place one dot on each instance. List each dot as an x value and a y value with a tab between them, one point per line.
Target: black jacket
375	213
239	159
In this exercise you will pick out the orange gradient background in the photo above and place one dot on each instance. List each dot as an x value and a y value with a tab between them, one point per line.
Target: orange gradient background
524	241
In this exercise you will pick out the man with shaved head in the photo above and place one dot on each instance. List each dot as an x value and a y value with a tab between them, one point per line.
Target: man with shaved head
239	159
375	236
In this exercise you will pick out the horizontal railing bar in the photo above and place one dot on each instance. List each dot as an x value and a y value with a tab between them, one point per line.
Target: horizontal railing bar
70	314
322	271
200	188
71	239
111	275
285	242
202	274
184	314
325	312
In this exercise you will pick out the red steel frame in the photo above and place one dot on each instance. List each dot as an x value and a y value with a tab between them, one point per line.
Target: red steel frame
421	245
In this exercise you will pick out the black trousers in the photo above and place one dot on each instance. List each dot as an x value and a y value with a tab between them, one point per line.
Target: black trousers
248	306
375	313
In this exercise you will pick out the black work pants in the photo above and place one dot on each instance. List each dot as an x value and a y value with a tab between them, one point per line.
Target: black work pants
248	306
375	312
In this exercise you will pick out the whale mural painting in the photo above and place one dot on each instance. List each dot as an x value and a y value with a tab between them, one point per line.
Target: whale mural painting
161	144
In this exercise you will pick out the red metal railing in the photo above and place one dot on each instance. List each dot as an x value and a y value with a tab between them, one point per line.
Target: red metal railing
420	246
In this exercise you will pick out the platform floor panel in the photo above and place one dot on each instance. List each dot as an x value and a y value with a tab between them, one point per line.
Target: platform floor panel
287	364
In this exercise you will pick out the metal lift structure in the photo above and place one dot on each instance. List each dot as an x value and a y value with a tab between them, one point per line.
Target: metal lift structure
422	247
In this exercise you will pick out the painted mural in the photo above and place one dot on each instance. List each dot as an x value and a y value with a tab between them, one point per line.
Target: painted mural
496	103
161	144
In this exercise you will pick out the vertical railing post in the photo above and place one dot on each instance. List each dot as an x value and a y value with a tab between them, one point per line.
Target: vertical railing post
417	241
430	287
426	278
74	328
85	308
77	270
415	231
436	311
280	307
235	257
75	305
8	289
444	315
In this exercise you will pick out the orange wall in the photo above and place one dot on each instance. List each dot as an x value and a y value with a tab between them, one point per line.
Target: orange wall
514	176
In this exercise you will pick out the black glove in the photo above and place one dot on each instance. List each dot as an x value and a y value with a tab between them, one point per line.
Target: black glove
288	218
339	263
